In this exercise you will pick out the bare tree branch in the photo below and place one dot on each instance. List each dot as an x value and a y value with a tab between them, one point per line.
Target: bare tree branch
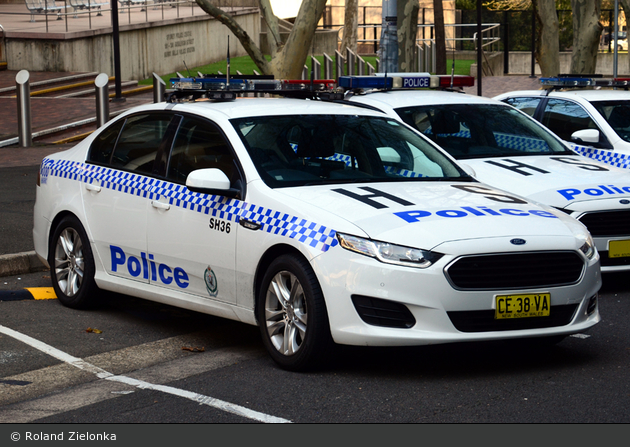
248	43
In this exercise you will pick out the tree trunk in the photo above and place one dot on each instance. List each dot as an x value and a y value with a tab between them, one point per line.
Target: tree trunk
288	62
586	33
407	13
440	37
273	35
350	26
548	54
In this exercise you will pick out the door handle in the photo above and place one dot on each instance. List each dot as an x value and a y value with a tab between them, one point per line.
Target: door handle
160	205
92	187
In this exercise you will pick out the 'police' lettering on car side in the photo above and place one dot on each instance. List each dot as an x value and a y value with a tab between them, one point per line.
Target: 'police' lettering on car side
146	267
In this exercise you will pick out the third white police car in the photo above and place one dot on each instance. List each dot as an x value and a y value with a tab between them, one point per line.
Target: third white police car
509	150
318	222
591	114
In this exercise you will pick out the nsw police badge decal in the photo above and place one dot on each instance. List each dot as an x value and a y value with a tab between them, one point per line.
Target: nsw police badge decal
211	282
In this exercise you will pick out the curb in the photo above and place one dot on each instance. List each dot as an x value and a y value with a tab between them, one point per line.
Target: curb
21	263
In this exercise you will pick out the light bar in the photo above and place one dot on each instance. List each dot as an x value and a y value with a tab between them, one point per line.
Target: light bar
404	81
212	84
447	81
217	87
577	81
365	82
303	84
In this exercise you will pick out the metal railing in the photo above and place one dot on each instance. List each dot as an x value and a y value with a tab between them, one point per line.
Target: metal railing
490	35
135	11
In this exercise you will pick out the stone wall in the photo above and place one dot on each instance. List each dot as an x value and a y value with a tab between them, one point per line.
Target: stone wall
162	48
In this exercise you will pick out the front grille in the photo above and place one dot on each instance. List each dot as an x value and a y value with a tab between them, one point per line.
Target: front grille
608	223
484	321
515	271
605	261
378	312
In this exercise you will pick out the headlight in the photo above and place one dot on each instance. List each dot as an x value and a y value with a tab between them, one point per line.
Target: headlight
389	253
588	248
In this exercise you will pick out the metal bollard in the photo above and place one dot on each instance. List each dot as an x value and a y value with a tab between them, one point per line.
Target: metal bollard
23	89
101	85
159	87
351	60
328	67
316	68
360	65
340	62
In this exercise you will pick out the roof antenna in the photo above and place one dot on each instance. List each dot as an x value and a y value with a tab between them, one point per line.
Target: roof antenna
187	69
227	76
453	68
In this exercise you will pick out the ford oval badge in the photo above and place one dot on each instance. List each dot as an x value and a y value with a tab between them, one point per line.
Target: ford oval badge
624	201
518	241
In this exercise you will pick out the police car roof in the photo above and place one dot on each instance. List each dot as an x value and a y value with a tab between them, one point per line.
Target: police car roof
586	93
250	107
408	98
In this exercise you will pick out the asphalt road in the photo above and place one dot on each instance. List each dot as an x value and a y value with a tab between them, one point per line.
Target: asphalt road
173	366
17	197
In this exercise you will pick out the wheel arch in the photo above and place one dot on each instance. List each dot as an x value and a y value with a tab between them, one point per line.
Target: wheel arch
53	225
266	259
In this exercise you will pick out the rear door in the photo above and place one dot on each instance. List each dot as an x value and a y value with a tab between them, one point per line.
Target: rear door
119	184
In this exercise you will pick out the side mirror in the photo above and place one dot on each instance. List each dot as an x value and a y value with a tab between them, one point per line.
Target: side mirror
211	181
590	136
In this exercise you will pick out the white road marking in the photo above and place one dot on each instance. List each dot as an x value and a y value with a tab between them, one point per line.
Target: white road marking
102	374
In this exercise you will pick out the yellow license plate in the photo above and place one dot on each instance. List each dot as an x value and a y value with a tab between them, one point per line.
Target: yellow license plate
522	306
618	249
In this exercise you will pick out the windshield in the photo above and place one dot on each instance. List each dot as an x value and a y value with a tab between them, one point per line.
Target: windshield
299	150
482	130
617	113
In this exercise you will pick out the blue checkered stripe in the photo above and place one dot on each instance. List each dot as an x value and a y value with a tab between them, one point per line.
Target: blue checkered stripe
275	222
347	160
609	157
71	170
524	144
519	143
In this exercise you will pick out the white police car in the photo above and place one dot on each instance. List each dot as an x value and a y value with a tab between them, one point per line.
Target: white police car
595	122
318	222
509	150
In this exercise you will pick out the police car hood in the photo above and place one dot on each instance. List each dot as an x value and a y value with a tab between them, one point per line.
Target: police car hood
426	214
558	181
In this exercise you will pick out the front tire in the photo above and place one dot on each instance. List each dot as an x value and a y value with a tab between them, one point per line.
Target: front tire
292	315
72	265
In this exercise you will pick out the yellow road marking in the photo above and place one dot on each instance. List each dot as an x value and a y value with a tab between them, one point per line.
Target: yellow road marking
42	293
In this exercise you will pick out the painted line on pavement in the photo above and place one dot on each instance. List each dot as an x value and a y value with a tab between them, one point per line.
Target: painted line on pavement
102	374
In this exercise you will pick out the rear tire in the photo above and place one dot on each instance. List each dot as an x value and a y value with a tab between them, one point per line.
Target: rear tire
292	315
72	265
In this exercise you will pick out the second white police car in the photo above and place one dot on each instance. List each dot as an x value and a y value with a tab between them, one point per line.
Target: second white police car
508	149
320	223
